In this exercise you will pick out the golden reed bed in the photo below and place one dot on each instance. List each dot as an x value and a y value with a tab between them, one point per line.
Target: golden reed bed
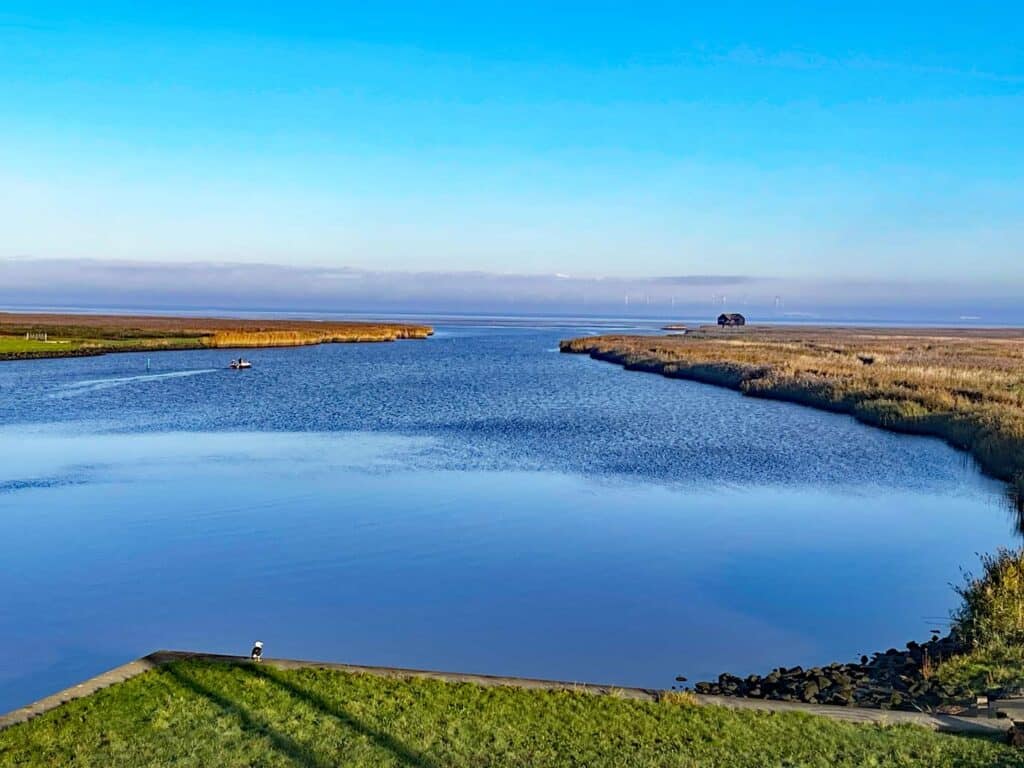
964	386
61	335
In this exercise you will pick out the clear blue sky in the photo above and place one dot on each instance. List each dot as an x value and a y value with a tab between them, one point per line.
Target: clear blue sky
870	141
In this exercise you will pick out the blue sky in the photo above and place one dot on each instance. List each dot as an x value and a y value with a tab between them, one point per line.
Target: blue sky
842	142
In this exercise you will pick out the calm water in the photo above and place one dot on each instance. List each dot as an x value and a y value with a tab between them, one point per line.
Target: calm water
474	502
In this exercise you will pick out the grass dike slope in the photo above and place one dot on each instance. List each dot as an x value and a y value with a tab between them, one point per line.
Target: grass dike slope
202	713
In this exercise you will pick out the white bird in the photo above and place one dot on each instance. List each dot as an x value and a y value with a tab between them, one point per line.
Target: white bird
257	651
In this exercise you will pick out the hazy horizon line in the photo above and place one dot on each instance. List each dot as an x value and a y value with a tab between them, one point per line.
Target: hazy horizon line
245	286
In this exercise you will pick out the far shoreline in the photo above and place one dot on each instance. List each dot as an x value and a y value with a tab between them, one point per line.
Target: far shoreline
847	370
34	335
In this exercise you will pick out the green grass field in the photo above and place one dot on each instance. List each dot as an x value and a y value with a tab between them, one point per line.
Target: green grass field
72	334
14	346
19	344
210	714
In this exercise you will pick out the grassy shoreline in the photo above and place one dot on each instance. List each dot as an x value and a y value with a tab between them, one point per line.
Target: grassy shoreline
198	713
963	386
34	336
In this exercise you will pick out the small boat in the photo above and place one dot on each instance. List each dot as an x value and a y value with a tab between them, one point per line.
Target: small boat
239	364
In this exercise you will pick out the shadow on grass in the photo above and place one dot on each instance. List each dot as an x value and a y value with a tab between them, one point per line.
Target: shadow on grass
297	752
397	748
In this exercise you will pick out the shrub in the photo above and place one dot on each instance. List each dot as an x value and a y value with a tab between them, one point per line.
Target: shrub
993	603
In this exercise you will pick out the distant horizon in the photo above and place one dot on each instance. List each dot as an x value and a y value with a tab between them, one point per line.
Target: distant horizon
248	286
65	285
872	151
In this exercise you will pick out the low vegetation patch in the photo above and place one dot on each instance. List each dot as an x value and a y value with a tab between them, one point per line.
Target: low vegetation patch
18	347
46	335
211	714
990	623
993	601
991	669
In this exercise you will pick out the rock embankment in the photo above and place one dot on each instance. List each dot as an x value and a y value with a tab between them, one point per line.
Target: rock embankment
891	680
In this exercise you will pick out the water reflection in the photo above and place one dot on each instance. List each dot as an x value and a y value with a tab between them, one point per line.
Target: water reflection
1015	502
474	503
364	551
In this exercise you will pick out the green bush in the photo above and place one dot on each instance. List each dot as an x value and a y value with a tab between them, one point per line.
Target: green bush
995	666
993	603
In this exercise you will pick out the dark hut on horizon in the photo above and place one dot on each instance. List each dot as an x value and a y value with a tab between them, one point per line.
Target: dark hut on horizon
731	319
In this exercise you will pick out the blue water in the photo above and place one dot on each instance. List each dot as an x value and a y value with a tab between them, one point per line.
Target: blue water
473	502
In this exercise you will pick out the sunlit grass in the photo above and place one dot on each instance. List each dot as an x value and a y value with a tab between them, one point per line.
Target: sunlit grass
991	667
19	344
208	714
89	334
990	621
287	338
14	346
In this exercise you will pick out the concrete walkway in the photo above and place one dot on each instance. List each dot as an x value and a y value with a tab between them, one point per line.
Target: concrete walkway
946	723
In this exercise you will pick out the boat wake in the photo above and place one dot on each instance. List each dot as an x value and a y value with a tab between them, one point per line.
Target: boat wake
92	385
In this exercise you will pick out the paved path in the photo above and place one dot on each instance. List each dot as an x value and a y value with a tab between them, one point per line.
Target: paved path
947	723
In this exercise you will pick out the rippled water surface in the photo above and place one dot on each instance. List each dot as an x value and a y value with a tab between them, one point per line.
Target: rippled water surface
473	502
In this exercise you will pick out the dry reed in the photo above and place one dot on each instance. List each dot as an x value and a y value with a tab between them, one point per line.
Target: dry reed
966	387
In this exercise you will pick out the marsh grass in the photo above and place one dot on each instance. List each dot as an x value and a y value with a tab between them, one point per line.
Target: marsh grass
966	387
208	714
18	346
294	338
98	334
